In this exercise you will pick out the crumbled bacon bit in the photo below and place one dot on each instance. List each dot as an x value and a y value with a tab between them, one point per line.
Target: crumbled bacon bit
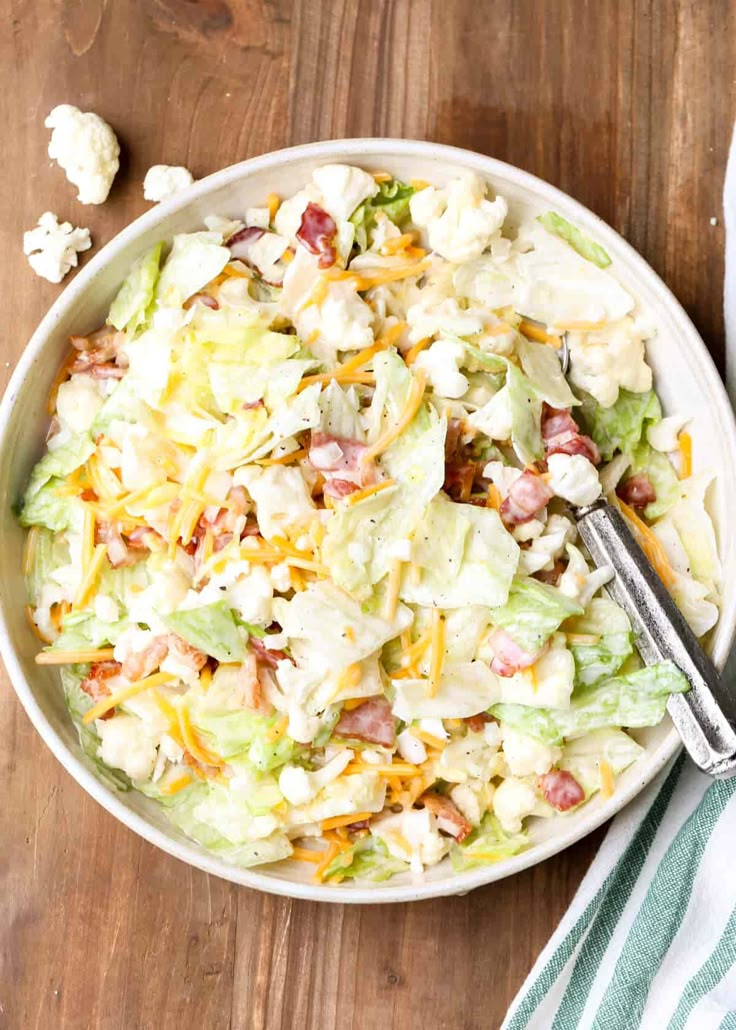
637	491
317	233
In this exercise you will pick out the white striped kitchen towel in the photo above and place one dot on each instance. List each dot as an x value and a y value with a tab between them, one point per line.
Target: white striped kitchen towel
649	941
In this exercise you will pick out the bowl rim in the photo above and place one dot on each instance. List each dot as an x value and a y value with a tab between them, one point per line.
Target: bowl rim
190	853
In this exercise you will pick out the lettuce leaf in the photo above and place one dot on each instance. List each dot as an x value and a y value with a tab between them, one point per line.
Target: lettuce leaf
466	557
60	462
211	628
593	662
243	734
392	199
487	843
541	365
636	699
583	756
51	552
662	476
622	426
533	612
577	239
129	310
526	416
368	859
51	508
195	259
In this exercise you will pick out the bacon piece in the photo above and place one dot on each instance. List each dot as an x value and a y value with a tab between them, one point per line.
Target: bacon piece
95	685
98	353
202	298
343	473
475	723
138	666
637	491
561	789
449	817
240	242
145	537
527	495
269	656
373	721
317	233
251	683
339	487
551	576
186	653
108	533
509	657
459	479
561	435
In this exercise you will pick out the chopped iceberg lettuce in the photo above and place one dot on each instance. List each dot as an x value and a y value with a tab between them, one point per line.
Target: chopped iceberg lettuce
533	612
465	556
525	405
580	243
636	699
367	859
622	426
245	735
597	659
541	365
583	756
392	199
78	704
487	843
212	629
195	259
130	309
51	507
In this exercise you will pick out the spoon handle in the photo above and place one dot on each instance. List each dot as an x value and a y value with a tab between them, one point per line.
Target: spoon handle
705	716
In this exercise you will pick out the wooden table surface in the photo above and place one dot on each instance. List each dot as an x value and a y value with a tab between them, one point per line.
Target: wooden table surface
625	104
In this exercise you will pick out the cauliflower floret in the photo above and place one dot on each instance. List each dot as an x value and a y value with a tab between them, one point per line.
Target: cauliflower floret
343	188
663	436
430	317
442	363
281	497
411	748
126	745
86	148
299	786
252	596
513	801
526	756
547	546
473	799
494	418
460	222
52	247
606	360
77	402
163	181
574	478
578	582
412	836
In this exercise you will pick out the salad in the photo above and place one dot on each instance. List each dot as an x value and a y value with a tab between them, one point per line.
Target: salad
302	542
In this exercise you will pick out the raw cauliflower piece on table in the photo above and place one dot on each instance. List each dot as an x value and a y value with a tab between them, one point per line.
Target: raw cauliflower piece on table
84	145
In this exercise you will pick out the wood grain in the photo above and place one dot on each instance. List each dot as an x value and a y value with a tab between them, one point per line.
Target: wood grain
627	105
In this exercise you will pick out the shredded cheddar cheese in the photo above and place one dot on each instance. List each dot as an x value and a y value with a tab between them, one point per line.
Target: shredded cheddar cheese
649	543
536	333
29	550
411	355
344	820
607	780
393	585
90	576
685	442
124	694
438	651
90	654
273	203
368	491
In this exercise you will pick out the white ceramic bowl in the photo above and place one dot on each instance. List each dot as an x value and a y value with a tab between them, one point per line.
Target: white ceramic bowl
685	377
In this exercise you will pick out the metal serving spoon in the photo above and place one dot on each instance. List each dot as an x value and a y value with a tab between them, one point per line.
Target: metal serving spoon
705	717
